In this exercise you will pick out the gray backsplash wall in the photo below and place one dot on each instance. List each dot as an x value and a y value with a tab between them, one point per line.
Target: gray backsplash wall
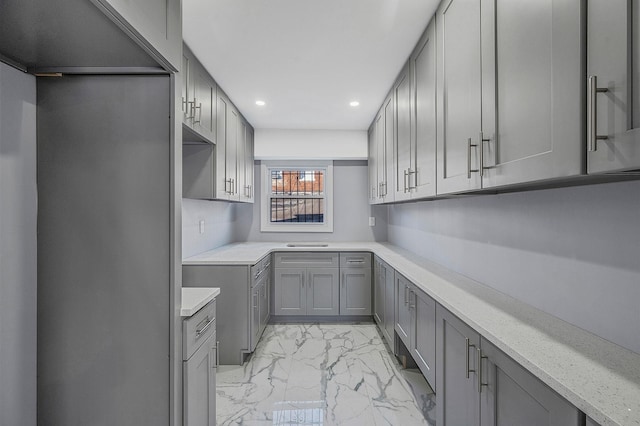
350	215
572	252
219	223
18	247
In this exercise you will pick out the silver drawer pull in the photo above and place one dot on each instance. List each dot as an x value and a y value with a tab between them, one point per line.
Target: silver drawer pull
356	261
200	331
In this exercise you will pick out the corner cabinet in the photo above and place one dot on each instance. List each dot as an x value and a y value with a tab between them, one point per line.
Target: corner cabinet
155	25
613	112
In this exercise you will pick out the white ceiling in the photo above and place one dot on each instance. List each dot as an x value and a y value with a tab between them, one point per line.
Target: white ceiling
307	59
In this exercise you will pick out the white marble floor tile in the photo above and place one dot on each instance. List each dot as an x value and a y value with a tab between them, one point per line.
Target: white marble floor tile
322	374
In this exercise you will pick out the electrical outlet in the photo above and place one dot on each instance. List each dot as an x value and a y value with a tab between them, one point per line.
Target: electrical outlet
372	221
202	226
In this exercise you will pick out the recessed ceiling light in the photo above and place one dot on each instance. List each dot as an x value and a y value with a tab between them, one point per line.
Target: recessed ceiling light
354	103
260	103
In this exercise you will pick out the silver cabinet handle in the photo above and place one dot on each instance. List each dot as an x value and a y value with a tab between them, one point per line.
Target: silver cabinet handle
191	105
199	108
592	111
255	300
469	346
217	352
406	175
200	331
480	358
469	169
405	294
413	173
482	140
411	292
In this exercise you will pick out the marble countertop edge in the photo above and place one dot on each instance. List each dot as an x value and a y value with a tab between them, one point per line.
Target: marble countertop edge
194	298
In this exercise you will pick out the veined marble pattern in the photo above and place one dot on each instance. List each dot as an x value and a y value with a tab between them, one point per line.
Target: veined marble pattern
322	374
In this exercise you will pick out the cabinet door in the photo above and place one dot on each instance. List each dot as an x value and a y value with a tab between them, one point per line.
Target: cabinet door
231	151
422	177
199	386
513	396
265	290
403	313
322	291
256	292
388	278
355	291
372	163
532	114
204	102
290	292
457	399
223	184
389	142
248	164
459	96
423	335
402	150
380	158
241	160
378	294
156	25
613	57
187	82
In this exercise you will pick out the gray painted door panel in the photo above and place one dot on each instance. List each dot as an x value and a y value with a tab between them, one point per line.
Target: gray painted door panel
199	384
355	291
459	94
322	291
402	150
513	396
104	249
403	313
613	57
457	401
290	291
542	137
423	335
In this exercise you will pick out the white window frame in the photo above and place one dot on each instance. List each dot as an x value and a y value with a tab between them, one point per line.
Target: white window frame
265	212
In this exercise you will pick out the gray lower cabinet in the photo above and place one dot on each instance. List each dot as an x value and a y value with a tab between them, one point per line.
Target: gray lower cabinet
199	367
457	399
306	291
384	298
510	395
423	334
613	111
480	385
355	284
402	310
260	299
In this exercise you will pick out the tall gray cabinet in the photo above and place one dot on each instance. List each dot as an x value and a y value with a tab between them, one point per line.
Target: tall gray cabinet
613	98
105	255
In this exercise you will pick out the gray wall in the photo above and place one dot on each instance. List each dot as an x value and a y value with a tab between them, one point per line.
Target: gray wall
573	252
219	223
18	279
350	215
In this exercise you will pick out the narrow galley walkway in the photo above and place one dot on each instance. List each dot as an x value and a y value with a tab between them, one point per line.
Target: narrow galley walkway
319	375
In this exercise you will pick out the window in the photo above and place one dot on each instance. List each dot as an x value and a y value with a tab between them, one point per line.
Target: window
297	197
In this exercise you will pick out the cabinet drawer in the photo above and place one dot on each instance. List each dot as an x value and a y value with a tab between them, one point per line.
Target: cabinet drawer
197	329
260	268
307	259
355	260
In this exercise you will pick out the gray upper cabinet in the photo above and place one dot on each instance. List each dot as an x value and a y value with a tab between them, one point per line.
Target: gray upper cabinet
372	163
457	399
532	85
510	395
422	173
228	127
156	24
386	142
355	284
198	97
423	334
458	96
613	100
246	160
402	134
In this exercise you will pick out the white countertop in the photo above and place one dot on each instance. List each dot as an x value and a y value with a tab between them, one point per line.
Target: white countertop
194	298
600	378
